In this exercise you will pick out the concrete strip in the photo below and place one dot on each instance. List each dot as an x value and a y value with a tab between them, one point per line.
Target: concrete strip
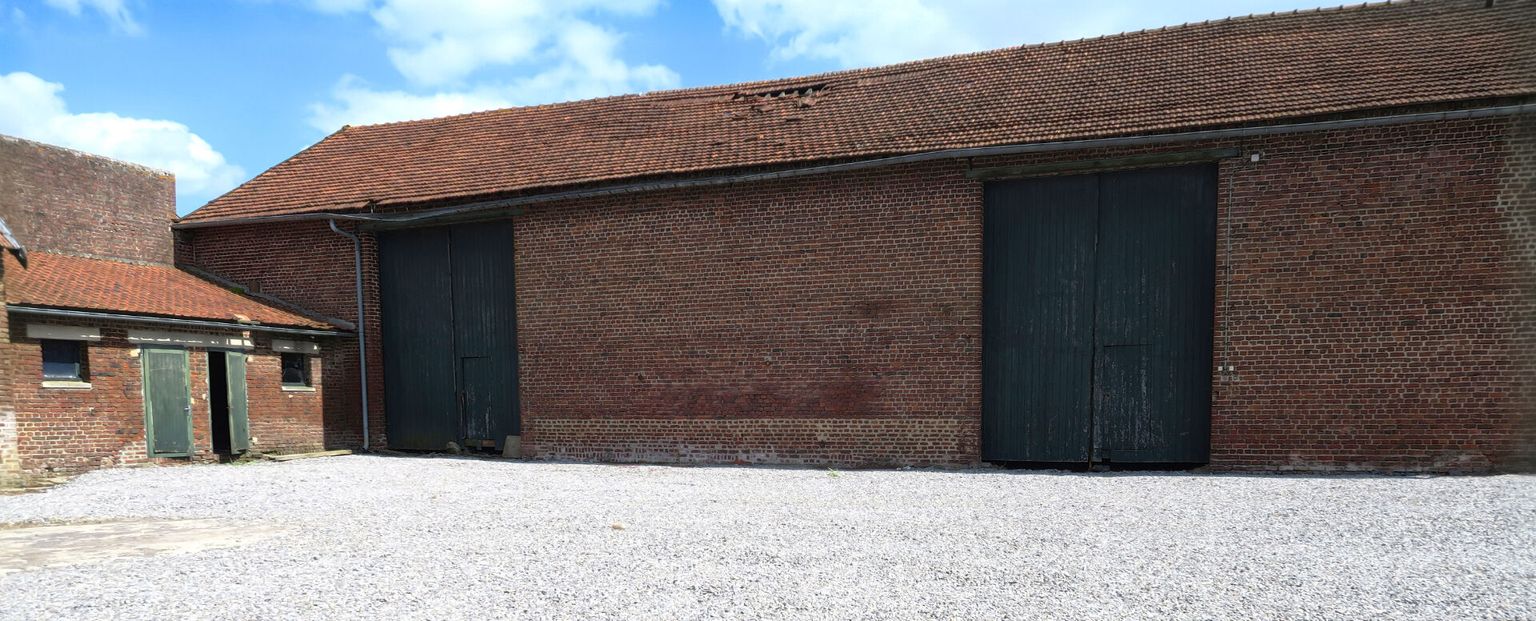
31	548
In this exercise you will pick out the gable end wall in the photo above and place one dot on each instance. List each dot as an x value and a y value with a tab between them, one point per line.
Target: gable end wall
62	200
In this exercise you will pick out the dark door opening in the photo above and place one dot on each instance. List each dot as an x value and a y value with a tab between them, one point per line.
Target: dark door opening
218	401
227	402
1098	298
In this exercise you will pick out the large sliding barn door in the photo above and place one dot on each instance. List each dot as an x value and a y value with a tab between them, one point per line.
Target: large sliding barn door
449	328
1038	319
1097	317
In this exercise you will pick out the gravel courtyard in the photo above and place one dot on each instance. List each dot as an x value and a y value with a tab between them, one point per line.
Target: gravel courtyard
389	537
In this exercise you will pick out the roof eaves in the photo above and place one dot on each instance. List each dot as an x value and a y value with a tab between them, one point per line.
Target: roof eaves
195	321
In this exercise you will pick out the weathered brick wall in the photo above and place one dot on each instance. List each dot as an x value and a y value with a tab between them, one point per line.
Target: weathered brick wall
10	459
1517	200
287	421
61	200
66	431
1370	295
306	264
66	201
834	320
1376	305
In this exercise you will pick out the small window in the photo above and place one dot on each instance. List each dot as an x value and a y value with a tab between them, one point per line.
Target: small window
63	360
295	369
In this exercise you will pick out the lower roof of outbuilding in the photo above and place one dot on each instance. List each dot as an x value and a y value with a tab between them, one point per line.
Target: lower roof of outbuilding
62	281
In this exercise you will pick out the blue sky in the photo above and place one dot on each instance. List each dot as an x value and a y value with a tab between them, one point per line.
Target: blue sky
217	91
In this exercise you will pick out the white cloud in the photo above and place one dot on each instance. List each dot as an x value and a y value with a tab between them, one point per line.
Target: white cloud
849	33
338	6
433	42
32	108
554	49
115	11
356	104
588	68
857	34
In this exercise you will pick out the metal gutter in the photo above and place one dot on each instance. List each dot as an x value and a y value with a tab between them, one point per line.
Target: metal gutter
1107	163
1013	149
362	337
173	321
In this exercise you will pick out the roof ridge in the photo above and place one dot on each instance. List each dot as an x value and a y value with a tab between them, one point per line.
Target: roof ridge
892	67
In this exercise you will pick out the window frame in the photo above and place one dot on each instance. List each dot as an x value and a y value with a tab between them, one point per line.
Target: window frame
81	368
283	358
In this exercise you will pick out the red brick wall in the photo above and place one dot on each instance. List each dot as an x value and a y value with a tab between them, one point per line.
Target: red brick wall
10	460
1373	301
1379	314
287	421
834	320
308	265
66	431
66	201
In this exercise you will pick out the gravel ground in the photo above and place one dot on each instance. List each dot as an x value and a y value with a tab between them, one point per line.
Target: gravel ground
465	538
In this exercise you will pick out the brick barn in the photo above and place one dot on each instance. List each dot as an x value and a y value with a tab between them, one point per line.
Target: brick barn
111	355
1298	241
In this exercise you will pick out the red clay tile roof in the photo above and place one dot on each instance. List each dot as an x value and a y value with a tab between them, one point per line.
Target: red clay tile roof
1217	73
105	285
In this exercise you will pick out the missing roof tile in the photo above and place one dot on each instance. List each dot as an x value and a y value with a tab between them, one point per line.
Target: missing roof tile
805	90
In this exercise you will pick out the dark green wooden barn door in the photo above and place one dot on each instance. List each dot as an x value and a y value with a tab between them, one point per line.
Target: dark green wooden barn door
485	329
1155	298
167	402
449	328
416	303
239	415
1097	317
1038	319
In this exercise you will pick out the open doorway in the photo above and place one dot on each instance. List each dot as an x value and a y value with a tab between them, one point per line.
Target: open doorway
231	422
218	401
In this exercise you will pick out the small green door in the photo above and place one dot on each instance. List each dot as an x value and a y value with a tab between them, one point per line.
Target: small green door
167	402
239	418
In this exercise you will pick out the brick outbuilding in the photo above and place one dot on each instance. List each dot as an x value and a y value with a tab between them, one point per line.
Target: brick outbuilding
111	355
1294	241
